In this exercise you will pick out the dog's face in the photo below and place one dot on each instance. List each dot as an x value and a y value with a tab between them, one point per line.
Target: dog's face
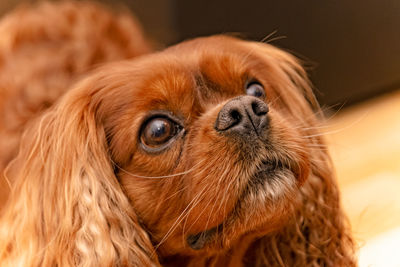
210	140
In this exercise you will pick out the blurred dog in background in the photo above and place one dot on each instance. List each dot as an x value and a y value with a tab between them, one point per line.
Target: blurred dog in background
43	49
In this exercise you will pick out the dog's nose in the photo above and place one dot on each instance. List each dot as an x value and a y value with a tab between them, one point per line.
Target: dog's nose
243	115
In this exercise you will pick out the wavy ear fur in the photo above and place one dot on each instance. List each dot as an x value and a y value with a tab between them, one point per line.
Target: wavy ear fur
67	207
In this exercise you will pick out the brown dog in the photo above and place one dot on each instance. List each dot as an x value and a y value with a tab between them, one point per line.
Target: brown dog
205	154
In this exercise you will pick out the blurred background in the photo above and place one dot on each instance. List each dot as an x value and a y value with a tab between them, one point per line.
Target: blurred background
351	50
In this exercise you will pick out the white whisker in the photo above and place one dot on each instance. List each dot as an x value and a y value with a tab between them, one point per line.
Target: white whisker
181	217
162	176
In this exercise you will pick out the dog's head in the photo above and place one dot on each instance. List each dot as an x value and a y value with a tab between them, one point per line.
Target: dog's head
209	139
198	145
212	140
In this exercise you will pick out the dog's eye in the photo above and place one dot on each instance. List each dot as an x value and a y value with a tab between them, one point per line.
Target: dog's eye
255	89
158	131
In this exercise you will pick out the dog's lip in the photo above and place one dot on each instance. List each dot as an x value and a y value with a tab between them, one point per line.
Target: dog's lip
267	167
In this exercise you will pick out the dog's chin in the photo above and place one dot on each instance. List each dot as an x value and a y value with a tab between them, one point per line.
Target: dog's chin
262	205
272	182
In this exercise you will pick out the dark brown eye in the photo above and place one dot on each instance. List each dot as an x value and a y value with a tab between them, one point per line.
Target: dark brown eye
255	89
158	131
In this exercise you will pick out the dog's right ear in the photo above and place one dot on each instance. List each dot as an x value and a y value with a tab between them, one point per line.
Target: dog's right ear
67	207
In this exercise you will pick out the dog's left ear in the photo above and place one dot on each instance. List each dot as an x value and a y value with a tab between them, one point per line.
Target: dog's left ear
67	207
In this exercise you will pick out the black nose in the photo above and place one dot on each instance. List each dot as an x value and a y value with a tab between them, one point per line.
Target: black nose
243	115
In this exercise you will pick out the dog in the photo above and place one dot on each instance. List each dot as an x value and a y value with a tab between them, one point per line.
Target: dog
207	153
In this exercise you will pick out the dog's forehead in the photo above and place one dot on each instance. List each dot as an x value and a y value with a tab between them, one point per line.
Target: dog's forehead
185	82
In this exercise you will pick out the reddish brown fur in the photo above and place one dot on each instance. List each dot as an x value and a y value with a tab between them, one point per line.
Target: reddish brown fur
44	49
87	194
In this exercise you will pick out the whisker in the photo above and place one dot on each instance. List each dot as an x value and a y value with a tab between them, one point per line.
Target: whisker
274	100
317	127
158	177
341	129
276	39
265	39
320	114
181	217
328	108
176	192
217	186
208	170
269	38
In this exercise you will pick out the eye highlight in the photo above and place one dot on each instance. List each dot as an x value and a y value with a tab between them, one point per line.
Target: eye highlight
255	89
157	131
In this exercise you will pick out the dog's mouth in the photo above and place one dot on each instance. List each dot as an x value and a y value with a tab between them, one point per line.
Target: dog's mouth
267	171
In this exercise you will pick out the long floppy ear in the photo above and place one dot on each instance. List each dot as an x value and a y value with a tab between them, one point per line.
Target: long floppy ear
67	207
318	234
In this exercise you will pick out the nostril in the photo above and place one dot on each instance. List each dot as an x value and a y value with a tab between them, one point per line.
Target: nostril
236	116
259	108
229	116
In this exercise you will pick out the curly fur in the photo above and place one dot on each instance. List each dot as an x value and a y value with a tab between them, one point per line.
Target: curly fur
86	193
